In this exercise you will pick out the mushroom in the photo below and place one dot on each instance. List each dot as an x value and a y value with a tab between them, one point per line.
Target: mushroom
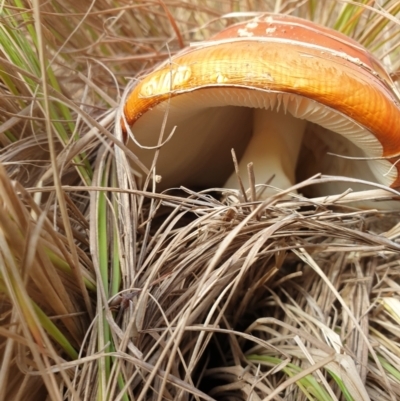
267	88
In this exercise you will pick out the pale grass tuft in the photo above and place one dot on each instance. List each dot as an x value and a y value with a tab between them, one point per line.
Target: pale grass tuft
210	267
36	282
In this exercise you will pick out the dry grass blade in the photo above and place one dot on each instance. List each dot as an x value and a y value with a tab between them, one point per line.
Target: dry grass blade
42	307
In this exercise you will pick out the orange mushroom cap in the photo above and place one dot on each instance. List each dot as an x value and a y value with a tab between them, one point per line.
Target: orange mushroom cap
298	63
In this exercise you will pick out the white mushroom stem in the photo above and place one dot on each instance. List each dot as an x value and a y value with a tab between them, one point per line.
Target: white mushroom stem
273	150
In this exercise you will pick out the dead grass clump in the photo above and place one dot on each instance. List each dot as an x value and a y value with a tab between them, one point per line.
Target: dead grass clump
273	300
44	294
